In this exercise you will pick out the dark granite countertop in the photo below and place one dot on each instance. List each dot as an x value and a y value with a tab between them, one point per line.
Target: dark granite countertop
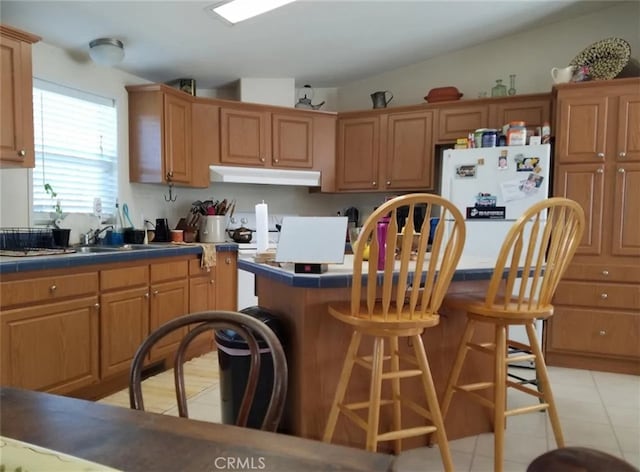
10	265
340	275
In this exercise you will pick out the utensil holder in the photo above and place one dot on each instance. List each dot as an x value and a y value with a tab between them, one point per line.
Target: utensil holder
212	229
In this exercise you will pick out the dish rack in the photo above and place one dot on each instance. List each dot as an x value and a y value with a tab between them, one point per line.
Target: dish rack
26	240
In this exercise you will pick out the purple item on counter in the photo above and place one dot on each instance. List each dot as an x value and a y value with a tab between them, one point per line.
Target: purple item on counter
383	225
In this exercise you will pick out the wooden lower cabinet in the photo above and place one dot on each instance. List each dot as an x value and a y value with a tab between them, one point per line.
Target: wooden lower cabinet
76	333
51	347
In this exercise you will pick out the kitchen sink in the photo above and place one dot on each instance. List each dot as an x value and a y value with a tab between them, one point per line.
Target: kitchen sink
124	247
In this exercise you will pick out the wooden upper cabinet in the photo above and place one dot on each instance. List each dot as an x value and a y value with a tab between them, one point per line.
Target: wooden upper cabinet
457	121
244	136
408	160
626	236
205	147
582	134
584	183
163	138
628	128
534	111
292	138
16	95
358	153
177	139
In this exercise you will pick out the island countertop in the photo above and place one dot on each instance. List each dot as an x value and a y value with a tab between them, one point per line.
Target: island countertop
340	275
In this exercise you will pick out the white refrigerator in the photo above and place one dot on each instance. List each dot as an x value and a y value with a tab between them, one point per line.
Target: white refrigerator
492	187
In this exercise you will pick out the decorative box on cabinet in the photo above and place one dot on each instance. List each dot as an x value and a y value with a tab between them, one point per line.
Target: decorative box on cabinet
16	132
597	154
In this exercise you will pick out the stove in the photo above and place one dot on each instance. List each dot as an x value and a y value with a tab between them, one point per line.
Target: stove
248	220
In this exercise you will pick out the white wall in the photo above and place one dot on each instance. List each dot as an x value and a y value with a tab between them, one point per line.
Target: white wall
530	55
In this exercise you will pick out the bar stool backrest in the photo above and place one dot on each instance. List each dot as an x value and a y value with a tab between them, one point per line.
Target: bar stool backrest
407	295
537	248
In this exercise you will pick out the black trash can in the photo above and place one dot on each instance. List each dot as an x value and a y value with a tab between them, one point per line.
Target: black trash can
234	359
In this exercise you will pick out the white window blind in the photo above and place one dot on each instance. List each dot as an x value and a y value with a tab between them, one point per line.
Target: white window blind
76	150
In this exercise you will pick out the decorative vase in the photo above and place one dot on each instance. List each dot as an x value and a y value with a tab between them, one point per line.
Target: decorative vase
512	84
499	89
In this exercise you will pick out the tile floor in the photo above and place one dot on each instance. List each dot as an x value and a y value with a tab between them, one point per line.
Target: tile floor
597	409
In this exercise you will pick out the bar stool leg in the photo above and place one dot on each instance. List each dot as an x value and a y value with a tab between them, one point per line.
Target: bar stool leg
376	391
395	389
499	396
432	402
341	389
545	385
457	366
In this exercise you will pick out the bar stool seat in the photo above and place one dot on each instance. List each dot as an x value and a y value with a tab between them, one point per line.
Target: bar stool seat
534	256
399	301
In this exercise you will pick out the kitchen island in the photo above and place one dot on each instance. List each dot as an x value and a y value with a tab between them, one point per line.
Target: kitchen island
316	344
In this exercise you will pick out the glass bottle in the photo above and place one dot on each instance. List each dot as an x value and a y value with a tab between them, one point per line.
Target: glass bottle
499	90
512	84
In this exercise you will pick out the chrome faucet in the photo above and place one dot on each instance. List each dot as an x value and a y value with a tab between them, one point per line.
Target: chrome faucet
92	236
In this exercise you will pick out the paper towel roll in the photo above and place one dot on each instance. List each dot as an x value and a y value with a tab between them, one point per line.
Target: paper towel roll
262	227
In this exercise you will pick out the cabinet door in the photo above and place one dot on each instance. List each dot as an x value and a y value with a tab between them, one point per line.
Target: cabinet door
584	183
16	132
202	294
177	139
628	128
226	281
458	121
243	137
626	216
409	154
51	347
292	141
358	157
169	300
124	324
582	129
205	141
533	112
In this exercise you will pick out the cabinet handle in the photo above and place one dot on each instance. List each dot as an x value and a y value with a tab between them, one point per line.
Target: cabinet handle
155	292
622	155
602	332
169	175
605	272
22	153
53	288
211	281
388	182
276	160
604	296
227	260
262	159
146	295
599	171
97	306
621	170
373	183
601	155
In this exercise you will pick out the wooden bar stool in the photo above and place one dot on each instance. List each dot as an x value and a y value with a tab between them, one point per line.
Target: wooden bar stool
538	250
398	302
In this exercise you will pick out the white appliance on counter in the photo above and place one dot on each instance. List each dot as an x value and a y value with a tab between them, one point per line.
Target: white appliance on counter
246	280
492	187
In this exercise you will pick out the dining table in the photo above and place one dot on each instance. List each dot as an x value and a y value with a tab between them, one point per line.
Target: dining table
132	440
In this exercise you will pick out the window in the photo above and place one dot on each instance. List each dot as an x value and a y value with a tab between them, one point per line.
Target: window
76	150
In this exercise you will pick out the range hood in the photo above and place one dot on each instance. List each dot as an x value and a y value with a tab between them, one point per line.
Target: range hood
254	175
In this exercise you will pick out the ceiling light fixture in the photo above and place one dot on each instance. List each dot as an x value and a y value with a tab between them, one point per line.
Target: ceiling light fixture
106	51
239	10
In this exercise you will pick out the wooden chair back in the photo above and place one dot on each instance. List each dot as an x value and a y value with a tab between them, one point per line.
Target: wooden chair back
407	295
537	248
247	327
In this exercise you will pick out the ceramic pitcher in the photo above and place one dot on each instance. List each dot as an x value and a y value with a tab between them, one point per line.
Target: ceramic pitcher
562	76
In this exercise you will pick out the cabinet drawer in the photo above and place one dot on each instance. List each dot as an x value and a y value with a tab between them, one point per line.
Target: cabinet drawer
125	277
594	331
600	295
603	272
195	269
49	288
169	271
